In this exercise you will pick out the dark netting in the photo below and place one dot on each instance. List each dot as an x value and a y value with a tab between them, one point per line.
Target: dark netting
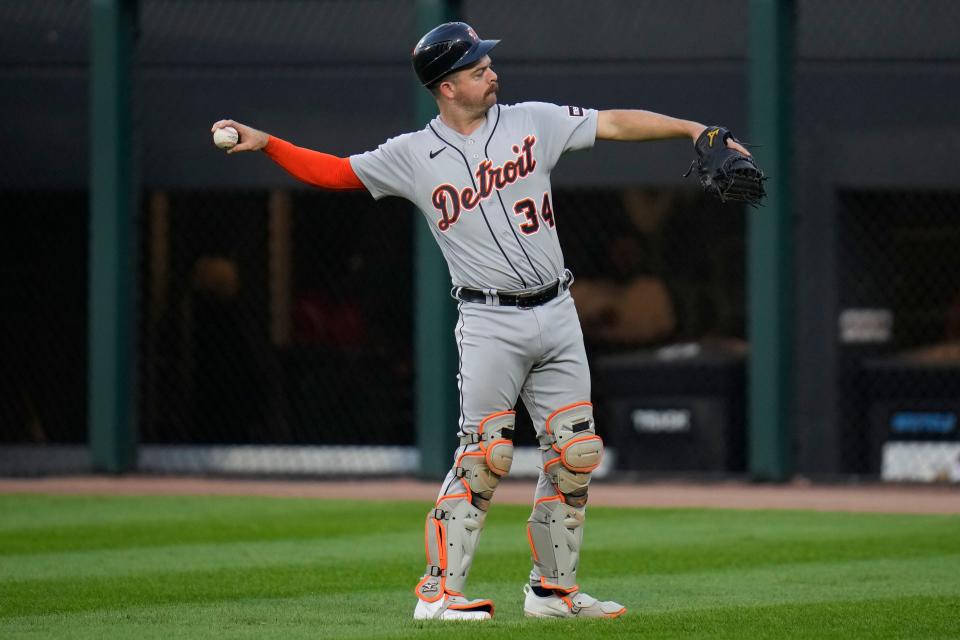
44	217
43	327
209	373
279	315
275	315
276	318
899	325
660	290
877	227
352	320
660	270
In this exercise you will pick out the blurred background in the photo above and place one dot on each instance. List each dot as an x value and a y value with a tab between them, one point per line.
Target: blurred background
273	324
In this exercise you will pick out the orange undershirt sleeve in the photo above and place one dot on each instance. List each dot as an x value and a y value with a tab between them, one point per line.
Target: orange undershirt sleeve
318	169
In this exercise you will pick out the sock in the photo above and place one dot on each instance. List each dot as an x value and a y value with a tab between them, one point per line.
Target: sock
540	591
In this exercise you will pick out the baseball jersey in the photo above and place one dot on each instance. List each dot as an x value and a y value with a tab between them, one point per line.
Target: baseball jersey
486	196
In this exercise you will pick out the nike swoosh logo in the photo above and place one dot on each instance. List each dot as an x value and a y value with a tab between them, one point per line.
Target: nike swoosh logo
434	154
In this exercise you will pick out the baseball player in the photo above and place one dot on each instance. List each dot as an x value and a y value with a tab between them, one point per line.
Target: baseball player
480	174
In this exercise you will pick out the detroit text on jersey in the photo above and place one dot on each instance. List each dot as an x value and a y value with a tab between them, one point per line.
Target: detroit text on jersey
450	201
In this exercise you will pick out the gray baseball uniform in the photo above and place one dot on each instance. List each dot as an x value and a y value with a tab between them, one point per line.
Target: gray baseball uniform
486	196
488	201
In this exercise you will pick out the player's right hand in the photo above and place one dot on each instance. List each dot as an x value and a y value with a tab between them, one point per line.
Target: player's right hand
250	139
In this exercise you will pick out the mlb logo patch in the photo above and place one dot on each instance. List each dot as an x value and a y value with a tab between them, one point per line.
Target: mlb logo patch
575	111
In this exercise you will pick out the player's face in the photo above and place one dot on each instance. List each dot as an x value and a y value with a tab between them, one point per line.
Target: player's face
477	86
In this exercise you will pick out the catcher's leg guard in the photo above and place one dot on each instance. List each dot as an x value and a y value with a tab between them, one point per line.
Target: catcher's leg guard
571	451
455	523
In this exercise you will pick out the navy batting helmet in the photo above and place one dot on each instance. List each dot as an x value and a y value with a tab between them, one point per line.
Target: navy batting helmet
447	48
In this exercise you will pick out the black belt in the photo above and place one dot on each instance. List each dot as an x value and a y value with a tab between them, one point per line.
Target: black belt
524	300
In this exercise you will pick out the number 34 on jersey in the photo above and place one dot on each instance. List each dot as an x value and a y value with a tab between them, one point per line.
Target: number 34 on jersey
528	209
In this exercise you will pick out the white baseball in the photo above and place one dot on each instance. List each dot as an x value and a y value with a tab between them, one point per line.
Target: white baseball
225	137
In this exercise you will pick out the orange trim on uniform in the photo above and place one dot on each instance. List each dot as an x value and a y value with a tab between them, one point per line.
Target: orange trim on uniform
442	544
466	454
493	415
561	409
556	587
482	605
559	496
453	495
466	485
568	602
588	468
489	450
530	540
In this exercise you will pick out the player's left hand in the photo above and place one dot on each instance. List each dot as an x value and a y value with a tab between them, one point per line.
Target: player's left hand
731	142
727	172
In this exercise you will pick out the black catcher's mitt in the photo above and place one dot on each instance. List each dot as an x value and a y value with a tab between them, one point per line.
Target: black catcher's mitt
724	172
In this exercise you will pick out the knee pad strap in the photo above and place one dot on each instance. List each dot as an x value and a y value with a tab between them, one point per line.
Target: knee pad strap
482	470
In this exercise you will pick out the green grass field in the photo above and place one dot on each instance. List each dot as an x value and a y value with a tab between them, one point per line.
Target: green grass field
199	567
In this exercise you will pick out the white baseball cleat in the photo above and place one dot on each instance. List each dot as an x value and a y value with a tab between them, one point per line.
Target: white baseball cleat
451	607
575	605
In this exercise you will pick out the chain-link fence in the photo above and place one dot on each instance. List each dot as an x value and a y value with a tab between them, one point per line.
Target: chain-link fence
43	328
660	281
274	315
660	291
44	218
267	320
877	342
283	316
900	330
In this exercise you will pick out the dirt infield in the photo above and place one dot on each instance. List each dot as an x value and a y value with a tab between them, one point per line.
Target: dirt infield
868	498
